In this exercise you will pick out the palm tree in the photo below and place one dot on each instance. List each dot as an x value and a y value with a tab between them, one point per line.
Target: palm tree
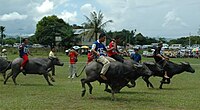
2	29
95	23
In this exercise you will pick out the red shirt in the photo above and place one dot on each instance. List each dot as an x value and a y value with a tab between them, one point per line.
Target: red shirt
72	56
90	57
111	52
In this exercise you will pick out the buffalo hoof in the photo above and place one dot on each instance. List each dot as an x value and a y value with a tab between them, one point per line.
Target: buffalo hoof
50	84
160	87
52	79
108	90
4	82
83	93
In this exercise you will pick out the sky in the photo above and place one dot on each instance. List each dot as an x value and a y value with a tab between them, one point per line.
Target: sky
152	18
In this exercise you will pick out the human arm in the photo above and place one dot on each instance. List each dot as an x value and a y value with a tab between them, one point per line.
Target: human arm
111	46
94	51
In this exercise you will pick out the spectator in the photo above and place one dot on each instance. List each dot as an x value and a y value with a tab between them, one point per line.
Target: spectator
136	56
73	59
90	56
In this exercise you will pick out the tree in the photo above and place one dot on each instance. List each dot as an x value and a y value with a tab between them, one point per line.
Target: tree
50	27
164	40
33	39
2	29
95	23
10	41
140	39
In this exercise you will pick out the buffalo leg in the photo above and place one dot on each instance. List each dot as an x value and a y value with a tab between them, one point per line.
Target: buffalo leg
83	87
113	95
87	80
90	87
53	70
8	76
106	88
4	75
132	84
146	79
163	82
51	77
14	76
47	79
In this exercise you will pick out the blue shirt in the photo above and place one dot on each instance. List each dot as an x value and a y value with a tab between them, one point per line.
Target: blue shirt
100	48
136	57
23	49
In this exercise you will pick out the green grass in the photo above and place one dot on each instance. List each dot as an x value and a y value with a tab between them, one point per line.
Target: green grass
34	93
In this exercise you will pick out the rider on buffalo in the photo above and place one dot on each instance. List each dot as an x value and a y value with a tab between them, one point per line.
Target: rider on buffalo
161	59
24	52
99	50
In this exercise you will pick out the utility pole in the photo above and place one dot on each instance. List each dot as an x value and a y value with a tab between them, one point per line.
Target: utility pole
189	39
20	35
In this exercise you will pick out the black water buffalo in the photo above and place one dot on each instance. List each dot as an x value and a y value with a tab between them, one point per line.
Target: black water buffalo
118	75
172	69
34	66
133	84
4	66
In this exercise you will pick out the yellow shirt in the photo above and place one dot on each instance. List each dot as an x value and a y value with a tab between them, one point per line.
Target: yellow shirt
52	55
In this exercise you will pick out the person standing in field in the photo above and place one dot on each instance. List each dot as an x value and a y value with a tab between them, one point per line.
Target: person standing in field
52	55
73	59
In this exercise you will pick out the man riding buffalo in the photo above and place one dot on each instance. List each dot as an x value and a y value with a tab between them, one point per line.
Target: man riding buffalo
114	53
24	52
39	66
161	59
118	75
99	50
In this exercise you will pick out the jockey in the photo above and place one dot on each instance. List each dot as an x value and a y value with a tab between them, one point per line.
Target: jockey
24	52
114	53
98	48
161	59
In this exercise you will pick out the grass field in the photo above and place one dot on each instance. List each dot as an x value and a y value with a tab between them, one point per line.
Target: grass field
33	93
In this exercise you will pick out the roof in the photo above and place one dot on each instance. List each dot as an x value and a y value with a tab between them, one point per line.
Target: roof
80	31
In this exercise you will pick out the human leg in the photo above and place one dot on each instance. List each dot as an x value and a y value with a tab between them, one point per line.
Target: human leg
106	64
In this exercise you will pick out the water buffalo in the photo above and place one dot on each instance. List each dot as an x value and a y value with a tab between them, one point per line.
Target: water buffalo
118	75
172	69
34	66
4	66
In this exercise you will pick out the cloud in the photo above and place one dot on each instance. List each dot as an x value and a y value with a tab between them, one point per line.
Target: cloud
87	8
171	19
68	17
12	16
45	7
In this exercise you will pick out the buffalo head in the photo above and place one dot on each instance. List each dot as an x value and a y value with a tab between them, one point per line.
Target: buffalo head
143	69
56	61
187	67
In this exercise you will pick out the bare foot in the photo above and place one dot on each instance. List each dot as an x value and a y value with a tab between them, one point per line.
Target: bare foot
21	68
